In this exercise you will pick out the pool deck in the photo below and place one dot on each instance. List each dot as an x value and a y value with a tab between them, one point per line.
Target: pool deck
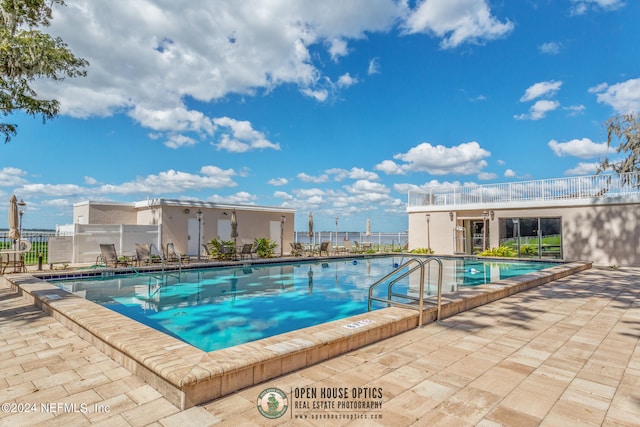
561	353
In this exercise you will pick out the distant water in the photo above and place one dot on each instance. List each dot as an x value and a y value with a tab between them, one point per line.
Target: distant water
376	238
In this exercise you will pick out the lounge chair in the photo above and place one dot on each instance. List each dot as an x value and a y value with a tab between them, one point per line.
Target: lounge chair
144	255
357	248
208	251
324	247
347	247
171	255
109	256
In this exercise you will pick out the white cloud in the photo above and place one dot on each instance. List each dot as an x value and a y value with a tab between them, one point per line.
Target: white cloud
177	119
364	186
478	98
509	173
457	21
346	80
537	90
172	182
359	173
598	88
430	185
539	110
282	195
239	136
580	7
338	48
11	177
550	48
168	52
277	182
307	193
30	190
167	182
583	169
374	66
575	110
319	95
177	141
241	198
355	173
466	158
583	148
390	167
623	97
486	176
315	179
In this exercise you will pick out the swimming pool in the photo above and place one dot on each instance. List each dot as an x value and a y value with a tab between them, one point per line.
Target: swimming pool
221	307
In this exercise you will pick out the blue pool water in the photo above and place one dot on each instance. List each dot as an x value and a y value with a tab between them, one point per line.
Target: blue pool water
222	307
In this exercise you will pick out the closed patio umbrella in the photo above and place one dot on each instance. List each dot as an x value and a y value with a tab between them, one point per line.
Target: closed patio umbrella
14	234
310	227
234	225
234	231
368	232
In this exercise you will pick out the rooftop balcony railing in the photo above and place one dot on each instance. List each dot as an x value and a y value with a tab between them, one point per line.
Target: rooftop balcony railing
583	187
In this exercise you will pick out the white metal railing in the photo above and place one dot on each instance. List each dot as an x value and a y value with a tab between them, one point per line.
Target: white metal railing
583	187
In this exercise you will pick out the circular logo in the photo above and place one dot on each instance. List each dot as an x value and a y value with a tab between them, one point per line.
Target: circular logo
272	403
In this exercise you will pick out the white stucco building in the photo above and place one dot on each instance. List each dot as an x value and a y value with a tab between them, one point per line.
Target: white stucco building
590	218
186	224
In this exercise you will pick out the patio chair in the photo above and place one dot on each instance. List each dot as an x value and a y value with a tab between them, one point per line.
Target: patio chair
247	251
296	249
227	252
12	258
324	247
109	256
357	248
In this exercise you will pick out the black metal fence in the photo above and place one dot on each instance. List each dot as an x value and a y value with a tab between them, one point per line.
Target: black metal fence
38	240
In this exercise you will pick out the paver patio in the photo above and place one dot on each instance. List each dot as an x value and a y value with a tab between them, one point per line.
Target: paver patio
565	353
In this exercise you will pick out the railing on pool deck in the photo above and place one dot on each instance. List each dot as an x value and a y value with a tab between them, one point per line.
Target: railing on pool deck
572	188
421	264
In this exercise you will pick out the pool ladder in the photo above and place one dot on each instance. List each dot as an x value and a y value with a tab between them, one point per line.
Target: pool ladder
420	264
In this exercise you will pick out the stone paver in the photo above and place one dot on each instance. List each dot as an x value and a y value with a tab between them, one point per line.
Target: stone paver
49	376
566	353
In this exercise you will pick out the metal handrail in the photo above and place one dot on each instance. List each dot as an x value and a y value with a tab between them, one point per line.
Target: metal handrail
567	189
421	266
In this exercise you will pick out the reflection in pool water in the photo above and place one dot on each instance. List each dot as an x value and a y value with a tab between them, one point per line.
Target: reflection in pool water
221	307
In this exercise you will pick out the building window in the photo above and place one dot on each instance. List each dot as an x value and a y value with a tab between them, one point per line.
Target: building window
532	237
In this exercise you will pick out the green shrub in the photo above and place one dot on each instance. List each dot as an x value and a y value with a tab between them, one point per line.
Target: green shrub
427	251
529	250
501	251
215	248
265	248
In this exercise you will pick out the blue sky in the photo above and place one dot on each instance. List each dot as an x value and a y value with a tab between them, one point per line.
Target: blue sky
332	107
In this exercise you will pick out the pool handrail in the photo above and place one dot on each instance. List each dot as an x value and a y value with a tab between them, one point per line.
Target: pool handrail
421	266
